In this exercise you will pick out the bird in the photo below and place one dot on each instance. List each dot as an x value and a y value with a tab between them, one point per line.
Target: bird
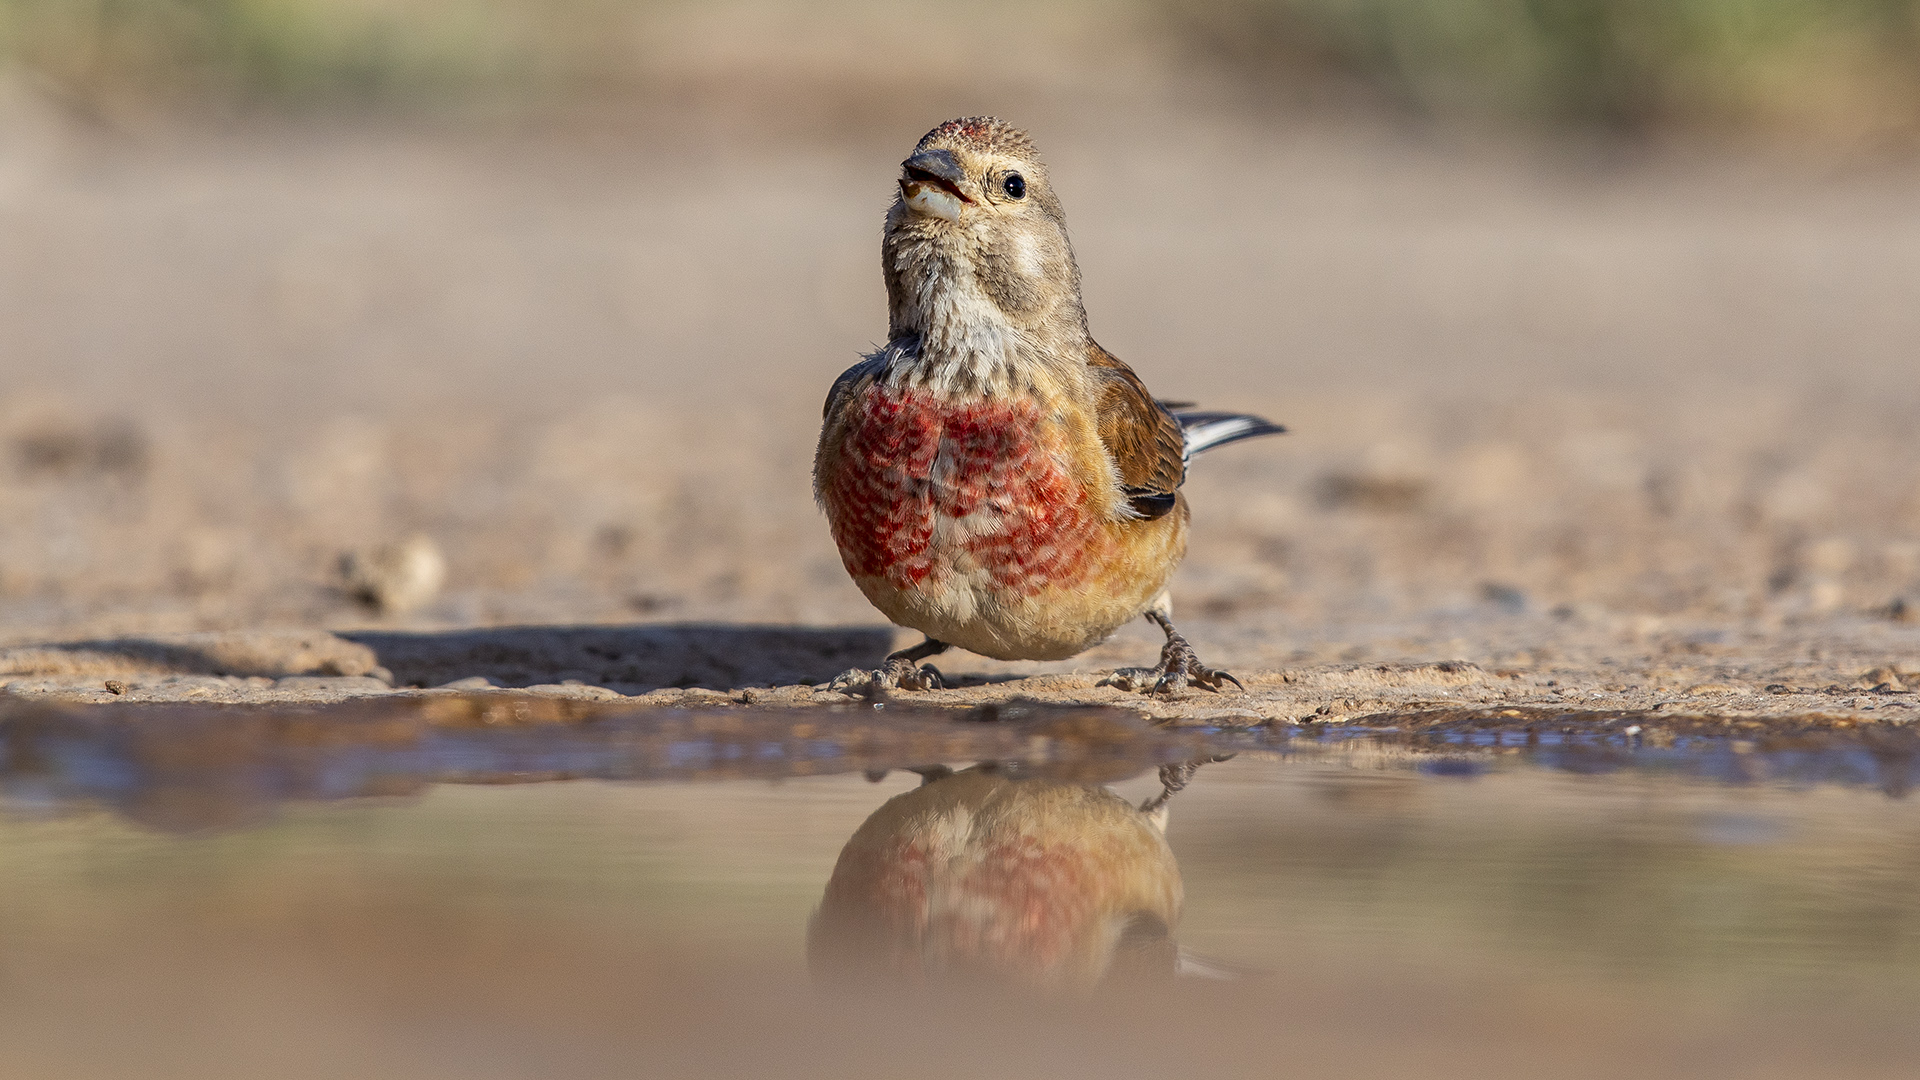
985	874
991	476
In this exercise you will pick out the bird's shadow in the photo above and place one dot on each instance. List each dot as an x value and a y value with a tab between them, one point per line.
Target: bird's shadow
630	659
718	656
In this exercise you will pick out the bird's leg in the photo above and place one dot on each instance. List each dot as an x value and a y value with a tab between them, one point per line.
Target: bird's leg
1173	780
1178	666
900	671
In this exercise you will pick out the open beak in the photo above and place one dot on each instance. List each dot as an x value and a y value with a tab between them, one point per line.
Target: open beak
931	185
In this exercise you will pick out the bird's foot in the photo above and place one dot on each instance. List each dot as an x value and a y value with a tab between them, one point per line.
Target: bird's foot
1178	668
1131	678
899	673
1174	779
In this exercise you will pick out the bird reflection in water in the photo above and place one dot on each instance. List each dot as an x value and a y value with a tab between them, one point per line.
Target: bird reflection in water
988	874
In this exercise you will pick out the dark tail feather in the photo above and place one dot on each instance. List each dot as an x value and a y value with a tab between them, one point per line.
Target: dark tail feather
1206	430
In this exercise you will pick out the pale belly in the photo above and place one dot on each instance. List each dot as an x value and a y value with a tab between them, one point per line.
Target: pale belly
966	521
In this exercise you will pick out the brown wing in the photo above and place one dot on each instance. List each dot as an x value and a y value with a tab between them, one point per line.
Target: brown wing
848	381
1144	439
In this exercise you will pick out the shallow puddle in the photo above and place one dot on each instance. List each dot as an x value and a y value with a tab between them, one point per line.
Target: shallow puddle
503	887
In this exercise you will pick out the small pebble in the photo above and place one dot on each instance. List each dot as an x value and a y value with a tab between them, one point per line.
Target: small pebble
396	578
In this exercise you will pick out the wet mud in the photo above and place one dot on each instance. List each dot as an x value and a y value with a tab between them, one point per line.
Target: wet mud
182	766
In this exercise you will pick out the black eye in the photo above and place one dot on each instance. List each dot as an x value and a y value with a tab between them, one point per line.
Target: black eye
1015	186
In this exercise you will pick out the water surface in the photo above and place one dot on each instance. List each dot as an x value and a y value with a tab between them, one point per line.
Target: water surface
331	892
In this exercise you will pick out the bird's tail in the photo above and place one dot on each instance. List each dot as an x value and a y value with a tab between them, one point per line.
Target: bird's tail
1206	430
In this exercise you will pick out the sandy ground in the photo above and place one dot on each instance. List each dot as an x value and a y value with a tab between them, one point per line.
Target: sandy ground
1570	427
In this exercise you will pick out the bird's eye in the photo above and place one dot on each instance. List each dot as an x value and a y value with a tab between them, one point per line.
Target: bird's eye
1015	186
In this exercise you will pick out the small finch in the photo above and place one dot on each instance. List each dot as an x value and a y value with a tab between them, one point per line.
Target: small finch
993	477
978	874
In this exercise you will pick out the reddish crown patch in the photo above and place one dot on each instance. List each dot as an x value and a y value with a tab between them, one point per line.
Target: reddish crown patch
981	133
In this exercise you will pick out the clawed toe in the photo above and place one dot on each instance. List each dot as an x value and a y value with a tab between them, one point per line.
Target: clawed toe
1199	675
1131	679
910	676
851	681
1171	679
1178	668
1196	674
897	675
901	671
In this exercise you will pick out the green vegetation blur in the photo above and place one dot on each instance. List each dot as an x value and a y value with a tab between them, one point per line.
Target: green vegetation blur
292	52
1839	66
1834	66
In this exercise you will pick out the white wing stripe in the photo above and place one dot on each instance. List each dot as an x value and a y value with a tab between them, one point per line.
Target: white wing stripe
1207	431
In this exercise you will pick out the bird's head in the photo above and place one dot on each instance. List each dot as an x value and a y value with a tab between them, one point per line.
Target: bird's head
976	208
978	167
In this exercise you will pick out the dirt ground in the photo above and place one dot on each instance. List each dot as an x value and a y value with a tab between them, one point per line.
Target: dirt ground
1570	426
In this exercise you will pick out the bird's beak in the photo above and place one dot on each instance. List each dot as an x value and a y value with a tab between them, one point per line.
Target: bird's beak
931	185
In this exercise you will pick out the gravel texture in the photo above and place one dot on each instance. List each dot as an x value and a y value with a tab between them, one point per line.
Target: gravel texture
310	412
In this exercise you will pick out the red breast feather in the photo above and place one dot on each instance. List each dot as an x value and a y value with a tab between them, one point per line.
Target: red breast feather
929	489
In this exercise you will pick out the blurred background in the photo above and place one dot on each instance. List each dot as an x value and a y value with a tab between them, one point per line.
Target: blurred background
466	312
1594	323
